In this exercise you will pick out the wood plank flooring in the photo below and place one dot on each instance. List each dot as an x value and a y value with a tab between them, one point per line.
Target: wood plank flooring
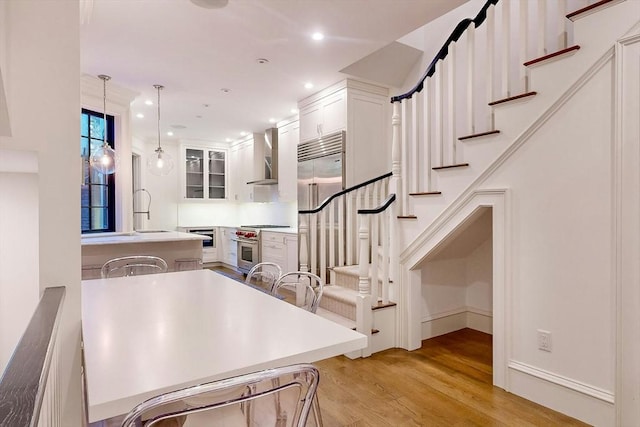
447	382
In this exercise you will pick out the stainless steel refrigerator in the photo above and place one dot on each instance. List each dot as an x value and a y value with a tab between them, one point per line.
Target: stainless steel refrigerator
320	169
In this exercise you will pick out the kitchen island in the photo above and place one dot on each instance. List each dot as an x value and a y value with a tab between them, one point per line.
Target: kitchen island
168	245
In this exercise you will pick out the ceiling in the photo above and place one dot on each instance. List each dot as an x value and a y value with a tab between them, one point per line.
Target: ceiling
196	52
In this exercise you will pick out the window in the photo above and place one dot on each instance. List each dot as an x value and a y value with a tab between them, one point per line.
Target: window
97	192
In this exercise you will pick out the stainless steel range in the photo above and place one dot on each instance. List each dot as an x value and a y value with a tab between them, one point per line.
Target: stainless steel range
248	238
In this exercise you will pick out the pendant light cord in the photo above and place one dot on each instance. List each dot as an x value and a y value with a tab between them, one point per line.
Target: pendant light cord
104	104
159	87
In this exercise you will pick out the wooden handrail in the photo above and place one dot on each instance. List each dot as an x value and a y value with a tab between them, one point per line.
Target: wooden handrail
444	50
345	191
383	207
23	382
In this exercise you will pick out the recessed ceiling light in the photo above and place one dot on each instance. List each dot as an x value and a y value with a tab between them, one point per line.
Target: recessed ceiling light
140	116
308	85
210	4
148	102
178	126
228	139
262	61
317	36
272	120
243	133
294	111
169	133
198	116
225	90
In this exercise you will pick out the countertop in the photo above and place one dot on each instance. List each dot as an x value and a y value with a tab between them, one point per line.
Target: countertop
148	236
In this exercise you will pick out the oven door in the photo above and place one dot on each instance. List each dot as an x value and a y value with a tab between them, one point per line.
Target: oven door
247	254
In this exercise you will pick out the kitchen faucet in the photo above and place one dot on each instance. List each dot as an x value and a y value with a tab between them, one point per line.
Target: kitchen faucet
148	204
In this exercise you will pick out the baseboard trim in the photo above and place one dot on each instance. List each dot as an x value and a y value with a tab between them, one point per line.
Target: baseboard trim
580	387
453	320
586	403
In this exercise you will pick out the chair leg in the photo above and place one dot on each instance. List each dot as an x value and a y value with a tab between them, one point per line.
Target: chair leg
315	408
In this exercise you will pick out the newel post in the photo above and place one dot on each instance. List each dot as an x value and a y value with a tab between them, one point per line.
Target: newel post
304	243
395	183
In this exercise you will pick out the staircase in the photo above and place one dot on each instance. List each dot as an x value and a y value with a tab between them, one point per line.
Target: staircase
451	132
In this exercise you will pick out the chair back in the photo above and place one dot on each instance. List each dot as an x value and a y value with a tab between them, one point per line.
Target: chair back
264	275
134	265
300	288
274	397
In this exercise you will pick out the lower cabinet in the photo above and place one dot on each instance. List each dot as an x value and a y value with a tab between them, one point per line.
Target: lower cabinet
280	248
229	253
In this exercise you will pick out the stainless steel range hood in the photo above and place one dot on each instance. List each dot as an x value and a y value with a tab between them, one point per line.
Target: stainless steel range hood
265	154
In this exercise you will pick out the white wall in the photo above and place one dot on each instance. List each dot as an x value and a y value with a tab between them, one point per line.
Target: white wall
456	284
164	190
561	181
19	272
42	83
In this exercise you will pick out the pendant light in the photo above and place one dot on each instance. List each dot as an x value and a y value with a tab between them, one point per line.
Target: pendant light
104	158
160	163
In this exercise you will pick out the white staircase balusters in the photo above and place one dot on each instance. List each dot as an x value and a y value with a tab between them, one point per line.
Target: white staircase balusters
471	67
303	250
396	185
341	226
439	110
542	27
323	245
451	104
490	60
505	56
523	25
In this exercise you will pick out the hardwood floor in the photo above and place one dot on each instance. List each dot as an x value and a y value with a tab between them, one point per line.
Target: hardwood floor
445	383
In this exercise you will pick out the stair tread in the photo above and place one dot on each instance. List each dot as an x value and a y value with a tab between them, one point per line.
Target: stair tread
561	52
353	270
573	15
478	135
513	98
407	217
458	165
426	193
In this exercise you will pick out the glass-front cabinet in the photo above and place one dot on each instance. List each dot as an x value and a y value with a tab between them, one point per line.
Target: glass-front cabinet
205	173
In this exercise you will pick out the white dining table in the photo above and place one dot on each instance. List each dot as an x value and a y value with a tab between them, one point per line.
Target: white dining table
146	335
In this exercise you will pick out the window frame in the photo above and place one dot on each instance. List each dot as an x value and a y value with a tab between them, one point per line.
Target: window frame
110	179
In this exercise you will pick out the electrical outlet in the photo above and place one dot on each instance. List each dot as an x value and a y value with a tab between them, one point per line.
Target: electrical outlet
544	340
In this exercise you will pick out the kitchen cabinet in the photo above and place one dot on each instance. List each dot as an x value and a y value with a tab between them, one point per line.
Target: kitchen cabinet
288	136
229	247
242	171
324	116
362	110
205	173
280	248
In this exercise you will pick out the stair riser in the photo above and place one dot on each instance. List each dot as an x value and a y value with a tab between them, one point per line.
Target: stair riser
351	282
339	307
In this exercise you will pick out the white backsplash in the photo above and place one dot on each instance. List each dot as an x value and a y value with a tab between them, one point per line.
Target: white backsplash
235	214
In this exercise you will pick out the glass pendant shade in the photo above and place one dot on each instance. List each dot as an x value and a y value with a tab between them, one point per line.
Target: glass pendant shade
104	158
159	163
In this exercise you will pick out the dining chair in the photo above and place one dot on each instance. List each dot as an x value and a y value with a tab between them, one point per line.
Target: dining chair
134	265
280	397
300	288
264	275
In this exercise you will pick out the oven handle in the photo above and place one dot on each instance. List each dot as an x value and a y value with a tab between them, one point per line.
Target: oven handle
251	242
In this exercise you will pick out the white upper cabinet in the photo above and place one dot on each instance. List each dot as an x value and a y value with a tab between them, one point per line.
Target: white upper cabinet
204	173
288	136
363	111
324	116
241	171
